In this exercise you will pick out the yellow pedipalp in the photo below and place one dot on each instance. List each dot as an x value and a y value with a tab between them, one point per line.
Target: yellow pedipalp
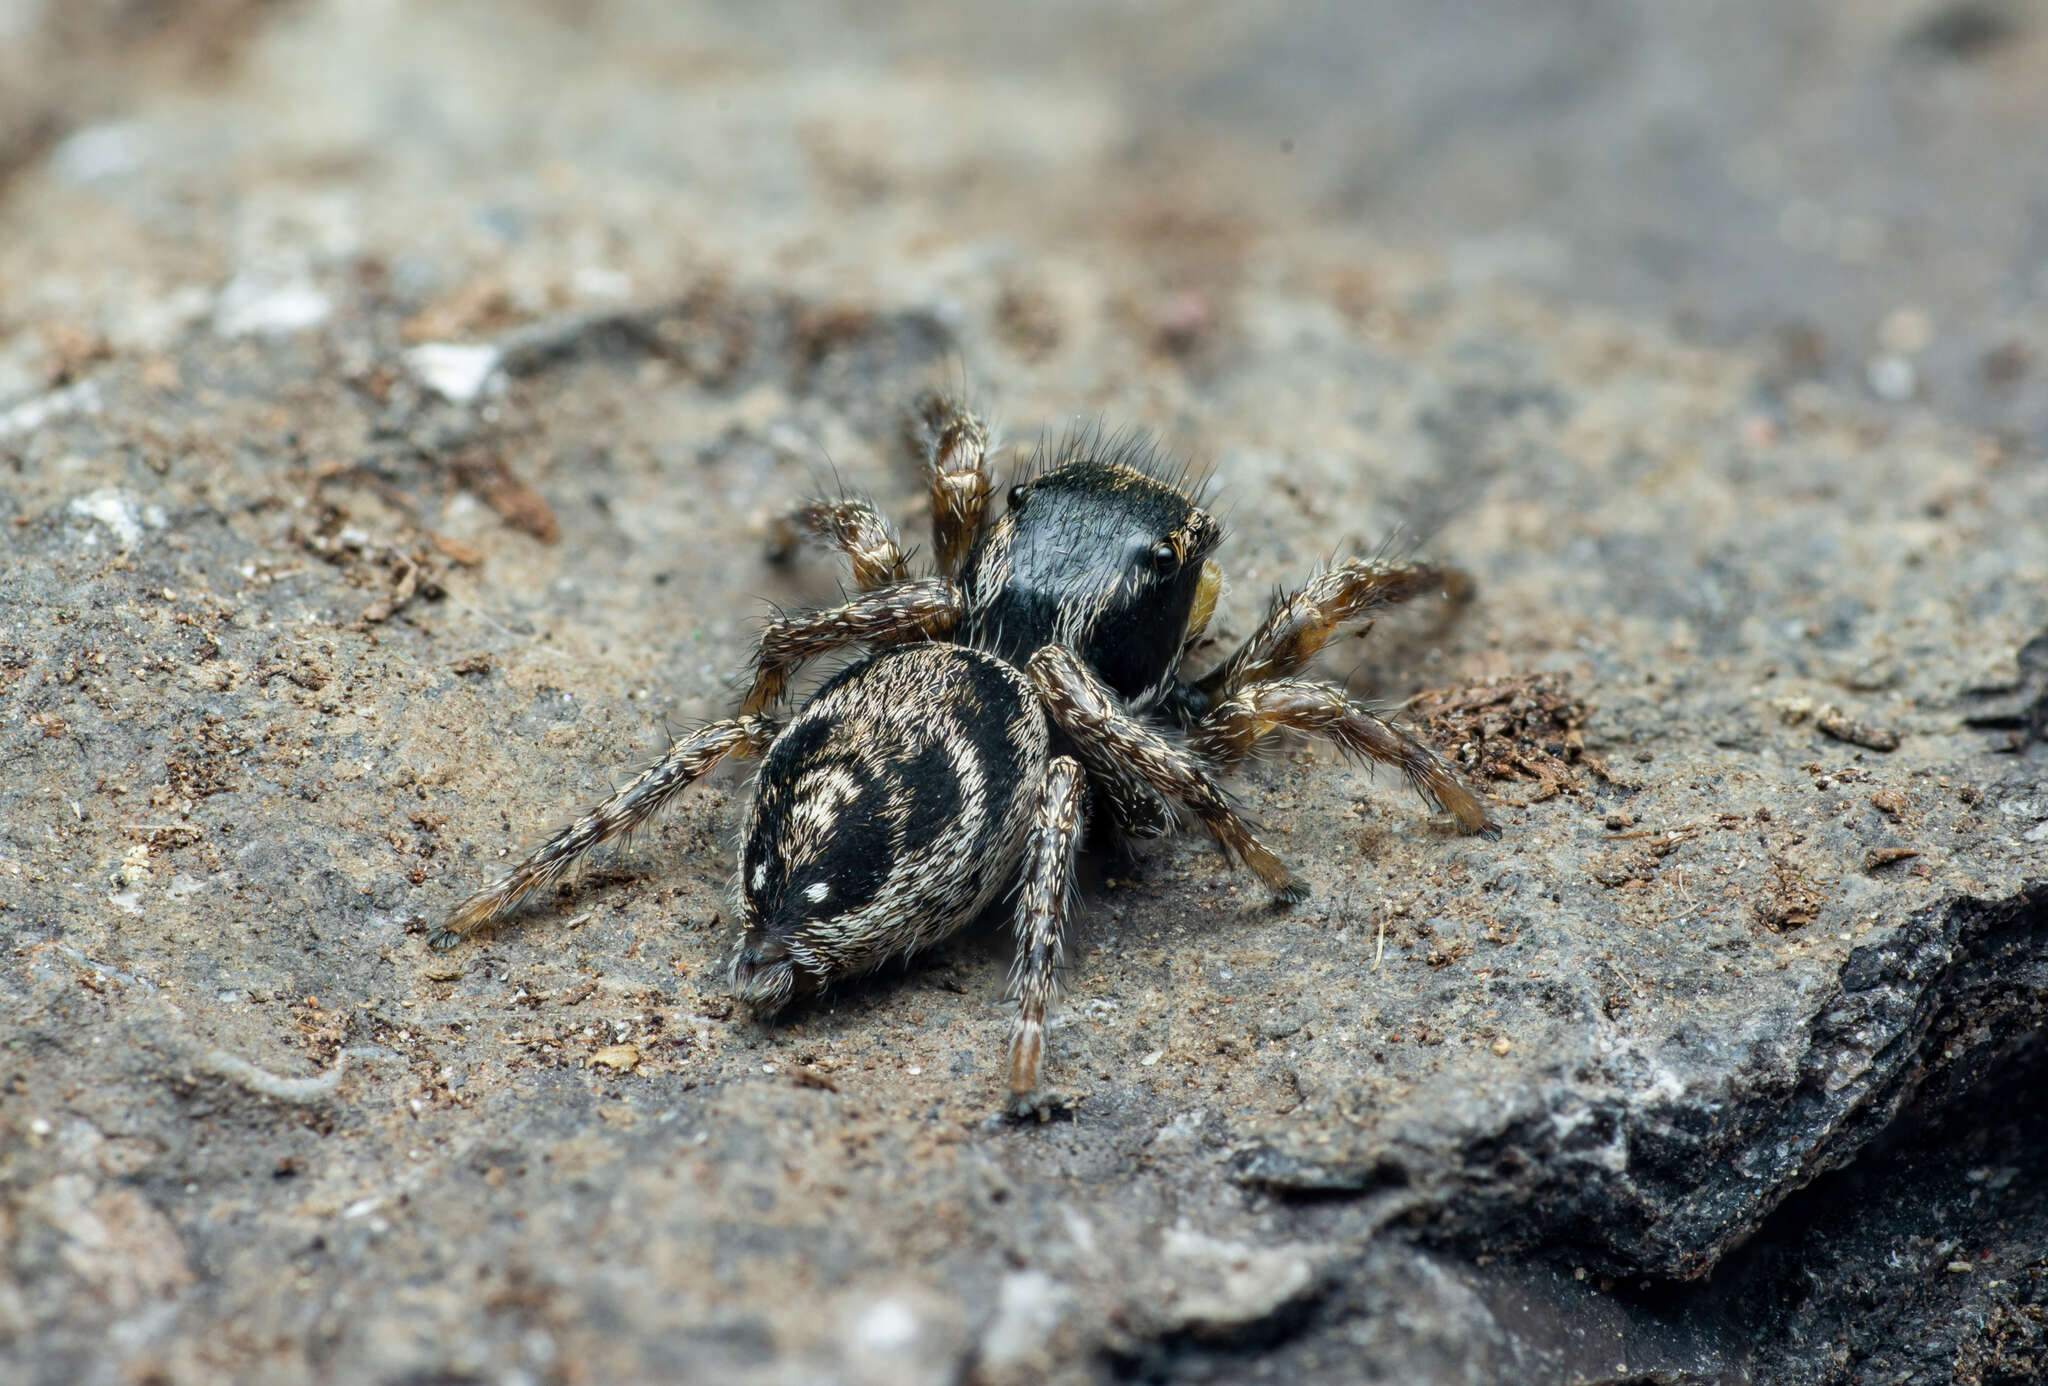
1206	592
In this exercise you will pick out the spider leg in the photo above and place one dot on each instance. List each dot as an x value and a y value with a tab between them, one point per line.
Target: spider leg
1132	809
1225	735
853	526
1115	744
1301	623
912	610
1044	901
953	444
688	761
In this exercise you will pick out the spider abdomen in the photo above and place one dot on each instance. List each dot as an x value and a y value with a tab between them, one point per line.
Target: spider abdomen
889	812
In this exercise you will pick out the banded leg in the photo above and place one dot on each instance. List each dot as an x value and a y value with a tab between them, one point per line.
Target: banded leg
854	527
1114	743
886	616
1301	623
688	761
1044	901
1225	735
953	443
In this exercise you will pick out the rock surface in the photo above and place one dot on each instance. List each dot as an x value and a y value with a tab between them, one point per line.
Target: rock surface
389	416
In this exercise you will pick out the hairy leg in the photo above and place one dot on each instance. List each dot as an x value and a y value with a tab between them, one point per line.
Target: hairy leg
854	527
953	444
1132	809
889	615
1226	734
1044	901
1114	744
688	761
1301	623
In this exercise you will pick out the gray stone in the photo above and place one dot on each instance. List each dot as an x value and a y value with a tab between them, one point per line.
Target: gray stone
1715	1066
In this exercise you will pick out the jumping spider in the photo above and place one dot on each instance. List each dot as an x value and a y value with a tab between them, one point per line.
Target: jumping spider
1034	677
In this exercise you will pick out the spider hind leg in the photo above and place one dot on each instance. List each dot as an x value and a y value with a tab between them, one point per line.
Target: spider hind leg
686	762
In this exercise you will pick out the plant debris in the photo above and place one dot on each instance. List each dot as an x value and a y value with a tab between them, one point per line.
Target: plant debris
1516	727
1836	723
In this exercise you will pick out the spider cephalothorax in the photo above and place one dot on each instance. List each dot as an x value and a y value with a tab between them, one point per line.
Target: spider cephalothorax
1104	554
956	759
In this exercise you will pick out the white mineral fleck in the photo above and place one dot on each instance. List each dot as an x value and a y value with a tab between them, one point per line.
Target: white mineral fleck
120	512
82	398
99	151
256	306
458	373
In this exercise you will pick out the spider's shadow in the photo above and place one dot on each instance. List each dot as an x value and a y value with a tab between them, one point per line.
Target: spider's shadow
973	964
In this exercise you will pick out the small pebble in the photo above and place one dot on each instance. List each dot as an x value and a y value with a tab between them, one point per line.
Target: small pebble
1892	378
620	1058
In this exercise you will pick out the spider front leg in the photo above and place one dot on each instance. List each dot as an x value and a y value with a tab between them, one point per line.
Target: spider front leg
953	444
917	609
853	526
688	761
1227	732
1116	744
1301	623
1045	899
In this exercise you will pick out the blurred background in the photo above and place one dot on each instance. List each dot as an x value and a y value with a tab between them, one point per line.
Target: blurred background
1857	189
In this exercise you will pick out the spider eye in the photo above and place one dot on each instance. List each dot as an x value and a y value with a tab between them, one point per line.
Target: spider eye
1017	494
1165	557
